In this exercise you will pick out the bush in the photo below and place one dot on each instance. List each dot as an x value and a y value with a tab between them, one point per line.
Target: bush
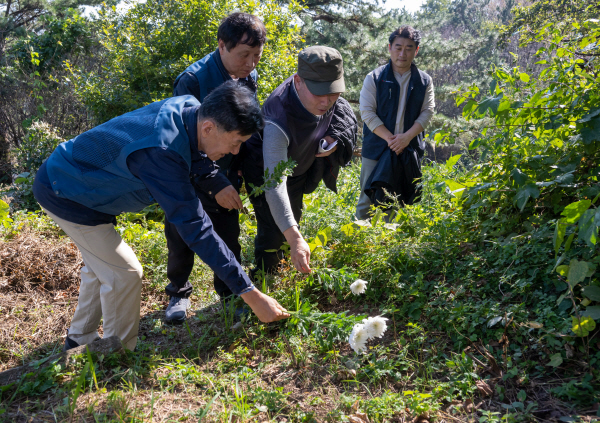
39	142
146	48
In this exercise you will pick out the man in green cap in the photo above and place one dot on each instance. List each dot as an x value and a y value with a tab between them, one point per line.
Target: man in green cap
308	121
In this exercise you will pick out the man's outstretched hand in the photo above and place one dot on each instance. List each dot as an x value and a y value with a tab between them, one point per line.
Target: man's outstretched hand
299	249
266	308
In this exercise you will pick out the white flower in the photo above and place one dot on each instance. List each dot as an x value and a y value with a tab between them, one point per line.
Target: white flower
358	287
358	338
375	326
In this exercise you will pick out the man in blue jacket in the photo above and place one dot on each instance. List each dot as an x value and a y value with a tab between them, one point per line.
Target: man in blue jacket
132	161
241	37
396	105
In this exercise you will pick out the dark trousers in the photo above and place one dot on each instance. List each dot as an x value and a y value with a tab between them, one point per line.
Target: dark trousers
181	258
268	236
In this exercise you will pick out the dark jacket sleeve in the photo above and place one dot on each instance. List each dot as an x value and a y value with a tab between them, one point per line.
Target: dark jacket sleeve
165	174
343	128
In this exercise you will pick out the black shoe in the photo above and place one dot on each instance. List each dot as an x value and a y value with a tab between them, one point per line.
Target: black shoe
69	344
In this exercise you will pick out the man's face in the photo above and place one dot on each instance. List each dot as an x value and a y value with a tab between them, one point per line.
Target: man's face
240	60
402	52
316	104
216	142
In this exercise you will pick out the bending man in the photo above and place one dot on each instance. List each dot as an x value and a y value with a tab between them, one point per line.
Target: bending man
126	164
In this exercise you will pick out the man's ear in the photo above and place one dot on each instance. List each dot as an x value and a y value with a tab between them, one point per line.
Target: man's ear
221	45
207	127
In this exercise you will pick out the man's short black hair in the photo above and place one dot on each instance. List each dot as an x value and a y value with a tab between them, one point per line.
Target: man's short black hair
233	107
406	31
242	28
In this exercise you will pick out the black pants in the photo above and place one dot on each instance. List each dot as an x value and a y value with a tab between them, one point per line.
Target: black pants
181	258
268	235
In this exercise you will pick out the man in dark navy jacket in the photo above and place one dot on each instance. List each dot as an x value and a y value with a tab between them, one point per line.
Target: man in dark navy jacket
144	157
241	37
396	104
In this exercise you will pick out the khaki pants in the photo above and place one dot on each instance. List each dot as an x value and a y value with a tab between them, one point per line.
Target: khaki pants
111	284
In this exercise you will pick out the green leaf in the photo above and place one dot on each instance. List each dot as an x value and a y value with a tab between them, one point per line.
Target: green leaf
569	241
4	209
588	230
452	161
561	299
524	77
591	132
592	292
577	272
491	103
559	235
523	195
583	326
555	360
563	270
573	211
519	177
455	188
349	229
589	116
592	312
474	144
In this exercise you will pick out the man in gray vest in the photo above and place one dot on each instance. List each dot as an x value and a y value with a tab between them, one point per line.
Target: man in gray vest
396	104
308	121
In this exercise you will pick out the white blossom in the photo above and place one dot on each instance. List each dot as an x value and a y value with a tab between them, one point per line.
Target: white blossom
375	326
358	338
358	287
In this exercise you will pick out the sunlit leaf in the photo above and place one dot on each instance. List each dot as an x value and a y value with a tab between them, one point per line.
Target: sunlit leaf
573	211
583	326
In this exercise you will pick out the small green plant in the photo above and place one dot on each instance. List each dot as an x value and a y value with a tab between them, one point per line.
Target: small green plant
271	180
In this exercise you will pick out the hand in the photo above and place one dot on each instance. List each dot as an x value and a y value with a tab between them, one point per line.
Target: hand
329	140
327	153
266	308
398	142
298	249
229	198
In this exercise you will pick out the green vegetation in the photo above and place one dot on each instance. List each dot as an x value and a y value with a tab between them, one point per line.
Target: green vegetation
489	283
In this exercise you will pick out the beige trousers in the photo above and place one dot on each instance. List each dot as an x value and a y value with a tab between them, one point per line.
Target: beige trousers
111	284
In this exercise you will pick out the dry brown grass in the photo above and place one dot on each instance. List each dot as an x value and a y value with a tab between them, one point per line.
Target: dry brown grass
28	262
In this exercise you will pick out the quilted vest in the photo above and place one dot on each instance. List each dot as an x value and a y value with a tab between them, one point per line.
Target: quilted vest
91	169
303	129
388	99
210	73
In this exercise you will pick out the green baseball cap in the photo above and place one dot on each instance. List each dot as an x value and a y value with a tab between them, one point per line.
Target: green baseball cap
322	69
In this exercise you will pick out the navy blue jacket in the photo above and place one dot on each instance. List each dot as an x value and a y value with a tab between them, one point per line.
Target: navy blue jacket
199	80
165	174
388	99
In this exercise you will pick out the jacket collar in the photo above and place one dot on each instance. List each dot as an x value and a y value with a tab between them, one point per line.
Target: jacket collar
220	66
190	120
415	76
